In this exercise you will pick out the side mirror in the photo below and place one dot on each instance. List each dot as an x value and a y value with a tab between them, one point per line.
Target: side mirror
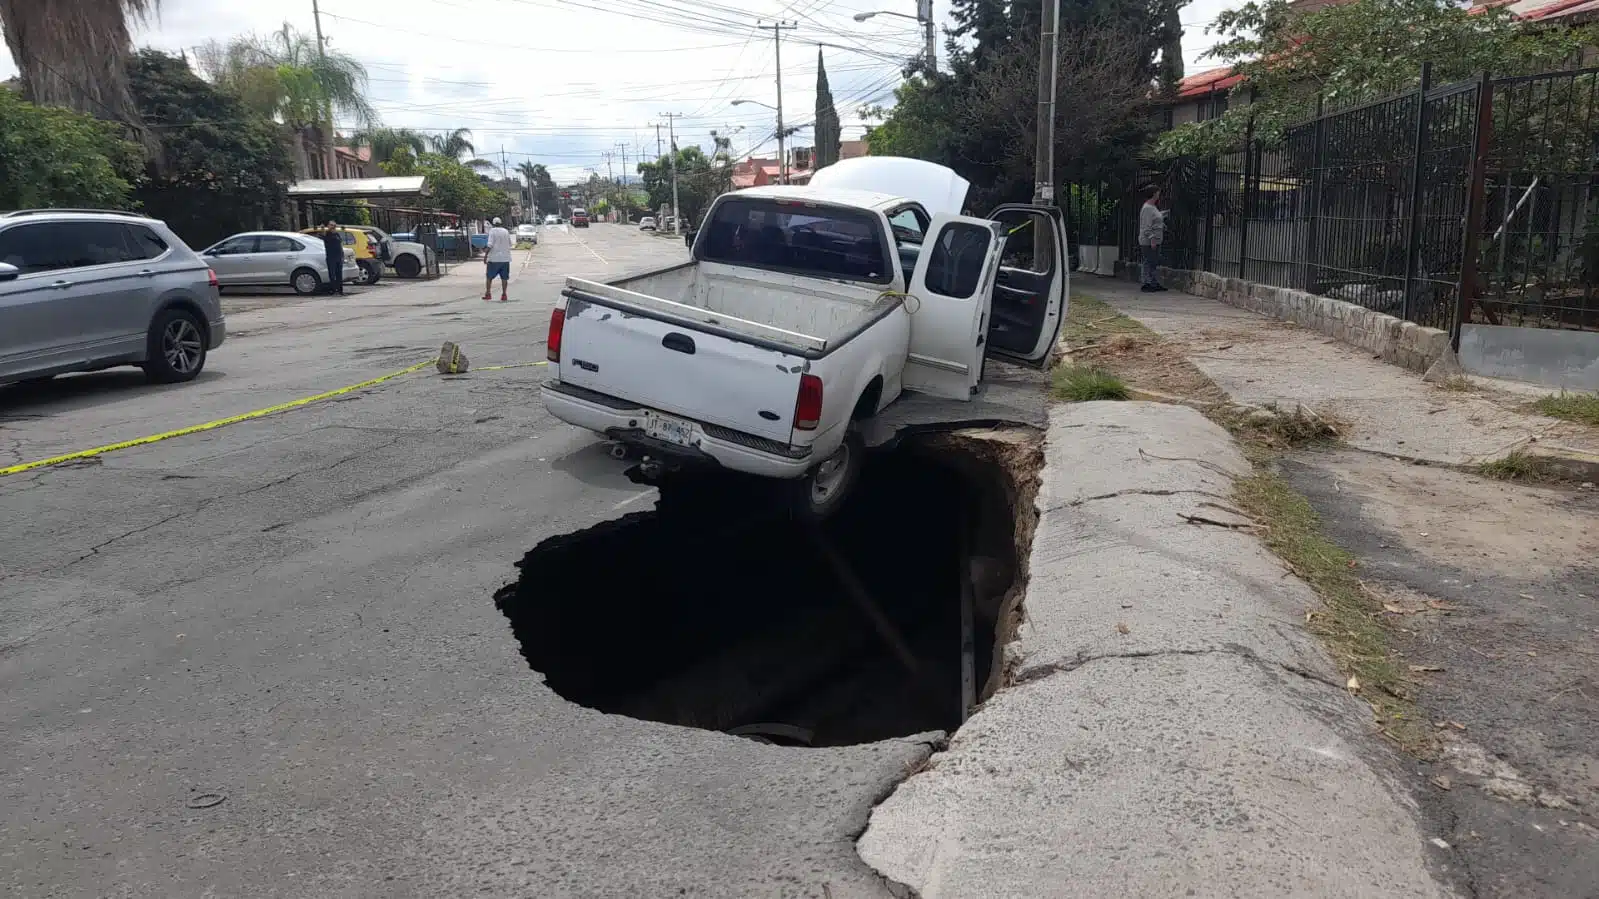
9	272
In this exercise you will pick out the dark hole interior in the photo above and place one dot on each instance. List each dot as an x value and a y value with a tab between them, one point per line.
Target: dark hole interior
718	610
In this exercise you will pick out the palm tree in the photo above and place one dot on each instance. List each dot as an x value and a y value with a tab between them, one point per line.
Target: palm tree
284	76
76	55
453	144
385	141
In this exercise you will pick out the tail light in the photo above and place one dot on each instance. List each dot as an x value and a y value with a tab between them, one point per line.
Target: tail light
808	408
552	344
211	278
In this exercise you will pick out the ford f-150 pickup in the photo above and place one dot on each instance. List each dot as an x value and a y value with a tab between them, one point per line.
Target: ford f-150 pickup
804	311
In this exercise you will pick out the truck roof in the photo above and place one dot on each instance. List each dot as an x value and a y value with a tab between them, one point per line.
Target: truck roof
838	196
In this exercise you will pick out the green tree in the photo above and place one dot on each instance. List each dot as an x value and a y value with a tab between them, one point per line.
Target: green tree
283	77
384	141
75	54
456	144
699	181
545	195
452	186
58	157
1360	51
828	131
225	168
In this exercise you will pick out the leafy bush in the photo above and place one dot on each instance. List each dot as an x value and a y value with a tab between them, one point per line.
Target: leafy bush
57	157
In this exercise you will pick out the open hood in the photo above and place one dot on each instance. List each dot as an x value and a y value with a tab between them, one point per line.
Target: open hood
937	188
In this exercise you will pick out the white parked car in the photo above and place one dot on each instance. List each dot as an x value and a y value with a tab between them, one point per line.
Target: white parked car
407	257
275	259
647	223
794	322
526	233
552	220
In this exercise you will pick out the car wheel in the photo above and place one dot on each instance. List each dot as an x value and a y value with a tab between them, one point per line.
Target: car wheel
176	350
407	266
305	281
824	488
371	272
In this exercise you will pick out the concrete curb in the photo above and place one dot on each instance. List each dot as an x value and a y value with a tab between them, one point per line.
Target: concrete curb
1174	730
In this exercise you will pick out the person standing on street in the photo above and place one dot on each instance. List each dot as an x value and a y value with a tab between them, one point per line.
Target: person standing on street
497	262
1151	234
333	248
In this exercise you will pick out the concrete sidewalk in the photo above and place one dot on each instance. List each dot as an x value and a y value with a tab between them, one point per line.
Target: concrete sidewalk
1258	360
1174	731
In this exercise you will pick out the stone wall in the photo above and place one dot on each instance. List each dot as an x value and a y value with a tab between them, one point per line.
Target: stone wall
1393	340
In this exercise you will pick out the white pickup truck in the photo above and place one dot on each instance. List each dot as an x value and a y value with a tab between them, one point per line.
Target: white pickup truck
804	311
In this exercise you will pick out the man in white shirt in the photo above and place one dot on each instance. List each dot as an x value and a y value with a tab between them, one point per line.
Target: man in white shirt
497	262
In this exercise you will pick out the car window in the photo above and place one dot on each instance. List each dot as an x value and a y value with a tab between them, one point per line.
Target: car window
832	242
956	266
49	246
146	244
272	243
910	225
235	246
1029	241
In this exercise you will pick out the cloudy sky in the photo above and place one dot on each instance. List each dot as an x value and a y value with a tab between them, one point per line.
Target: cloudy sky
562	82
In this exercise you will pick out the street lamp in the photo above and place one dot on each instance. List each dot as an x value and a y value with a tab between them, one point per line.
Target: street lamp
923	17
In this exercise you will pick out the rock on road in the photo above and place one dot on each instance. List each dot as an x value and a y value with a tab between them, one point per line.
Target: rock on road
264	660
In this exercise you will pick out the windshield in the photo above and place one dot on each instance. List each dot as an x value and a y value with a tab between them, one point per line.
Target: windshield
797	236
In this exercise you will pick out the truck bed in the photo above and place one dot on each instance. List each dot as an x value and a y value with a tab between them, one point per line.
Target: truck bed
807	316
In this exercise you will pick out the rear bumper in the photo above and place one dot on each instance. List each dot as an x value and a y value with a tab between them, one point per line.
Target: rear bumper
218	331
622	420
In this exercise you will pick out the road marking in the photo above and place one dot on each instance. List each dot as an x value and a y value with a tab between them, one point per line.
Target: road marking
631	500
236	419
585	245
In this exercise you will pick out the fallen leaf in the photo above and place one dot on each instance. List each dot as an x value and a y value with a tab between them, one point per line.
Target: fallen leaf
1393	609
1122	628
1420	668
1457	725
1525	595
1442	782
1531	653
1439	843
1353	684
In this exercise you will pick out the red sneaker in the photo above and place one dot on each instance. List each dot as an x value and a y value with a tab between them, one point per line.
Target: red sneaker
504	298
487	295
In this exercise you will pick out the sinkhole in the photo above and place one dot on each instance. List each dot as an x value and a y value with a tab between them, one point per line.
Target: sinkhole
718	610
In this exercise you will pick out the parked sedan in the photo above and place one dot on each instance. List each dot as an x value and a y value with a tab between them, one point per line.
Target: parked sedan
275	259
526	233
647	223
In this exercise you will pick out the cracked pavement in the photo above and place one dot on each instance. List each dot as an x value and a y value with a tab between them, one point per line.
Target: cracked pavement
1172	729
295	614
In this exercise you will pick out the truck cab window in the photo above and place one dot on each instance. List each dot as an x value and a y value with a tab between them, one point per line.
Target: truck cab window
804	238
956	266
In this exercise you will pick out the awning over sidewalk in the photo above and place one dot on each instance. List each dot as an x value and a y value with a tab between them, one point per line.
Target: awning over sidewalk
359	188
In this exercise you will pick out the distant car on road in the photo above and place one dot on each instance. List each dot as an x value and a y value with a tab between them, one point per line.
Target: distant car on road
647	223
526	233
83	290
580	218
275	259
552	220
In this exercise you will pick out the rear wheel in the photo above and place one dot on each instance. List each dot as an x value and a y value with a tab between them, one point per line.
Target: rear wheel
407	266
371	271
824	488
305	282
176	347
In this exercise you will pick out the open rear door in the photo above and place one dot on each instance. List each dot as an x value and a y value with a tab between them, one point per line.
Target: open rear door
1030	293
955	272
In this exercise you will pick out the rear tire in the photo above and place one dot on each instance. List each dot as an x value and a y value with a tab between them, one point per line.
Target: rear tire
175	347
823	489
371	272
305	282
407	266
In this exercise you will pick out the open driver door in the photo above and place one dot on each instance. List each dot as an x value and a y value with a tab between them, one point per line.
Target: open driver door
1032	287
954	276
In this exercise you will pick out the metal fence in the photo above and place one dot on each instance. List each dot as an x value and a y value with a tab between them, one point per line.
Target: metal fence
1468	202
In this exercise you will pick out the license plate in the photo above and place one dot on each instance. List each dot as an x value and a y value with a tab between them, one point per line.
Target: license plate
672	430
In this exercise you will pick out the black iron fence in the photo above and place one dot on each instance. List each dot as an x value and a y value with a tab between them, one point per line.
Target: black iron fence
1469	202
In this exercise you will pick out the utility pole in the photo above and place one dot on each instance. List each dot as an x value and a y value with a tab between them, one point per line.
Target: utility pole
327	107
504	166
622	147
777	39
924	12
1044	160
658	152
671	133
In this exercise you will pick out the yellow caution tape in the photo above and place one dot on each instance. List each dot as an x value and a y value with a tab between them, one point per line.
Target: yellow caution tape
232	419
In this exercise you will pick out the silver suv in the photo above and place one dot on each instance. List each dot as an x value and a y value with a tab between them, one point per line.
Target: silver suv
83	289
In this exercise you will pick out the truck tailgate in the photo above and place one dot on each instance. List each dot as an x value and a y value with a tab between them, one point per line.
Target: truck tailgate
680	370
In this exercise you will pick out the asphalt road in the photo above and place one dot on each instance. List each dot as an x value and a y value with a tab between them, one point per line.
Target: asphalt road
264	660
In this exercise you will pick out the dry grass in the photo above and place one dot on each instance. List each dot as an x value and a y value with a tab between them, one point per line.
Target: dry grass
1582	408
1100	337
1350	622
1524	467
1273	429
